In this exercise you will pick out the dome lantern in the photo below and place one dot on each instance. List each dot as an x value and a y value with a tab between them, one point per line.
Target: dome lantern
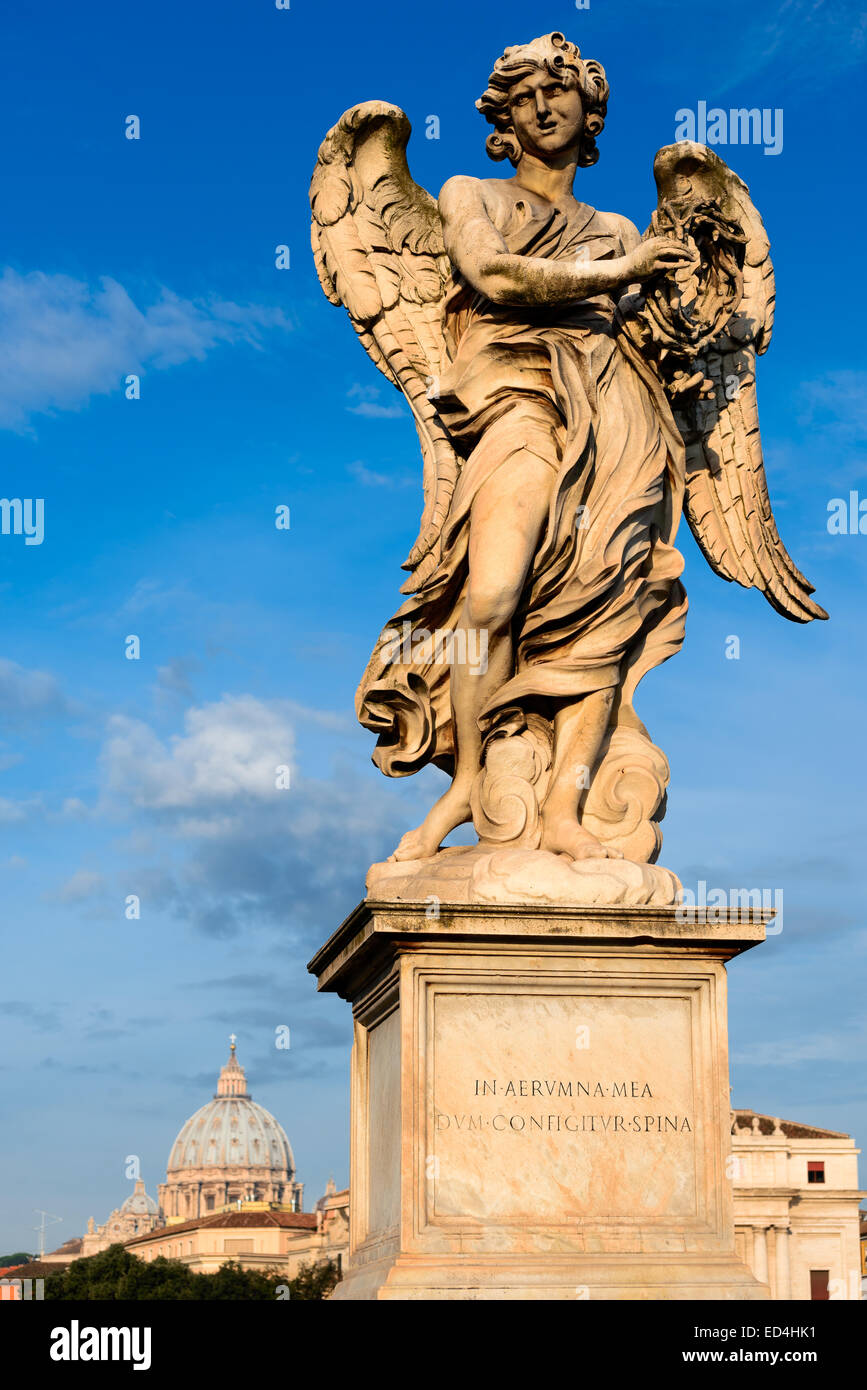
233	1079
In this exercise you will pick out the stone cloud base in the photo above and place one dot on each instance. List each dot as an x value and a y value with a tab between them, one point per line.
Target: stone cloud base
540	1105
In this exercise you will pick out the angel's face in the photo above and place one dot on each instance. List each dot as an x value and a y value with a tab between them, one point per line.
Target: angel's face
547	115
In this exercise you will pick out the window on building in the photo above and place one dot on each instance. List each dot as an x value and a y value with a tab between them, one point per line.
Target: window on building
209	1202
819	1280
815	1172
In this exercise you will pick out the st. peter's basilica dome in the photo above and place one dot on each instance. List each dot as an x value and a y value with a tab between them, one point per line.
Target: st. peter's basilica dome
231	1149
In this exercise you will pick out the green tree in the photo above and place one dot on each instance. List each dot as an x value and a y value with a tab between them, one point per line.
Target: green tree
315	1281
236	1284
19	1258
116	1275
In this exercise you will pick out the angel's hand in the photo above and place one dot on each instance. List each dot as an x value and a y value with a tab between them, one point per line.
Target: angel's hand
655	256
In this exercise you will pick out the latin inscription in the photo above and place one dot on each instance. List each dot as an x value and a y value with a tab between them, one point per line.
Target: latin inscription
571	1108
559	1121
585	1124
637	1089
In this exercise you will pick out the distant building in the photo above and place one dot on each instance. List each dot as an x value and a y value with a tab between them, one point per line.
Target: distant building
67	1252
139	1213
796	1204
230	1194
256	1236
231	1150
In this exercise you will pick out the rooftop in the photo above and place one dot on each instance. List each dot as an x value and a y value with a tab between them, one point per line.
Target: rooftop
791	1129
246	1220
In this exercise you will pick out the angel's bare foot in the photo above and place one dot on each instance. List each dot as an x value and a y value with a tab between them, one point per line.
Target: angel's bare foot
565	837
452	809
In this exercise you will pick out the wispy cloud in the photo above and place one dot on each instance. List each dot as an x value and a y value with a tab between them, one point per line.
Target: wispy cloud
64	341
837	402
27	694
230	749
81	887
366	476
173	679
844	1044
812	39
228	847
367	402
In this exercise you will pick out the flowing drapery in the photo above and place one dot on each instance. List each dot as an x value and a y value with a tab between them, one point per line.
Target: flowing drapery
602	603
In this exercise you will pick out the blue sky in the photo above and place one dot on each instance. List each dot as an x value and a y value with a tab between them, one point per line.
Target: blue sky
153	777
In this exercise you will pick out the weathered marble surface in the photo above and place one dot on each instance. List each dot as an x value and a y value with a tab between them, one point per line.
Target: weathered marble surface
484	875
540	1102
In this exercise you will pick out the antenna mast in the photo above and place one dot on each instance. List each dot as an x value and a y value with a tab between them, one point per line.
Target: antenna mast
41	1227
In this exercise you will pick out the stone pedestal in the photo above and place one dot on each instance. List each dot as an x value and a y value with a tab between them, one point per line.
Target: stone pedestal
540	1105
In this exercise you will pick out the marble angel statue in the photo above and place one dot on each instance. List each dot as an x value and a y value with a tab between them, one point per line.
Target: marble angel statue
575	386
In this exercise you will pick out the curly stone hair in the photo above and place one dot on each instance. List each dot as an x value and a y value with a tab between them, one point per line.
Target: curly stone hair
561	59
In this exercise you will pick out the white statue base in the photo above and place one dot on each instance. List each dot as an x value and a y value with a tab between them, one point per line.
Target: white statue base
540	1103
489	874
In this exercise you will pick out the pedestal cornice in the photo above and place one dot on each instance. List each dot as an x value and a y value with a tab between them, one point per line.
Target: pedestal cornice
374	927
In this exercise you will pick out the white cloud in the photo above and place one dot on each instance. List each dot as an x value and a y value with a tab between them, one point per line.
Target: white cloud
366	476
82	886
214	843
151	594
845	1044
174	678
813	40
63	340
837	401
231	749
24	693
367	403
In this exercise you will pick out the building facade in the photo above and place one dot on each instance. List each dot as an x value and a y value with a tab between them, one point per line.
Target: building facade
139	1213
256	1237
796	1202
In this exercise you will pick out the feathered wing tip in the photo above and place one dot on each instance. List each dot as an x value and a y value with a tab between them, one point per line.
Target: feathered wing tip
726	498
378	246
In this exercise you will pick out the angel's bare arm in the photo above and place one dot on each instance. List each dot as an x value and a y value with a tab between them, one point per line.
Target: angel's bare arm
476	248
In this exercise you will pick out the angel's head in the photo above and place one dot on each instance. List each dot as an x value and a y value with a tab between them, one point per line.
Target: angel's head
544	99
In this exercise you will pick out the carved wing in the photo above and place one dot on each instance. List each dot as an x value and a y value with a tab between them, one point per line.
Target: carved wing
707	325
378	245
